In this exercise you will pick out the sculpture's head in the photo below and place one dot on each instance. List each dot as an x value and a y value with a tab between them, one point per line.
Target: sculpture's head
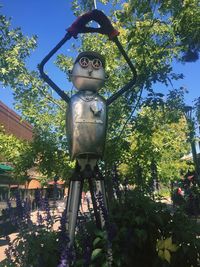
88	72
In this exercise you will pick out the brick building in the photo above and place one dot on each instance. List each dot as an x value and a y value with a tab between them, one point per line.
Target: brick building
13	123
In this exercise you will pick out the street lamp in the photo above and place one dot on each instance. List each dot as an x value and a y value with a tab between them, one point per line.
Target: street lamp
191	128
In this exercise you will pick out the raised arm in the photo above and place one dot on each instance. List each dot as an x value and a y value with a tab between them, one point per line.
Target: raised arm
108	29
79	26
45	77
131	83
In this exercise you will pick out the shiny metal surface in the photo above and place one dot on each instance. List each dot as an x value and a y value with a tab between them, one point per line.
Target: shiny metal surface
86	125
87	78
73	203
100	189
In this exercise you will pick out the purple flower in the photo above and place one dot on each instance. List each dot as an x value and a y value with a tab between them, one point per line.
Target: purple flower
67	253
85	241
48	218
67	257
102	207
19	206
27	212
9	212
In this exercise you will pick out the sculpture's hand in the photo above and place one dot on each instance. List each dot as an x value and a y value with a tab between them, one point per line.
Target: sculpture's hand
79	26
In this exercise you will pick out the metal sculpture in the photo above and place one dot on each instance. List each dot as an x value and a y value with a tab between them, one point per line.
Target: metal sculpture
87	114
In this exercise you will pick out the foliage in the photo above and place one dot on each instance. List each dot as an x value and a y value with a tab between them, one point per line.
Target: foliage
156	37
165	23
35	248
186	194
14	48
50	157
145	227
11	150
36	241
82	6
10	146
156	139
139	230
43	152
38	107
91	245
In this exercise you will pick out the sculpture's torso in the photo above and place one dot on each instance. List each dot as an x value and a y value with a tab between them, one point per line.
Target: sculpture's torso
86	125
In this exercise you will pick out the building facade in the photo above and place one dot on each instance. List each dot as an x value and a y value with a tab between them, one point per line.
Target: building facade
13	123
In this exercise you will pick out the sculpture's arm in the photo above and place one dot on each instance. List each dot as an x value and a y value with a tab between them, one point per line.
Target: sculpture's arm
79	26
106	28
45	77
131	83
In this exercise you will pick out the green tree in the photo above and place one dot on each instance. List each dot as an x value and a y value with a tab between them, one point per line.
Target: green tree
153	34
11	150
44	153
157	139
37	106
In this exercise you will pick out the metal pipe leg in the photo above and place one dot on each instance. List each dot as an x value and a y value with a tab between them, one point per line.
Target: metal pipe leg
94	202
101	192
73	203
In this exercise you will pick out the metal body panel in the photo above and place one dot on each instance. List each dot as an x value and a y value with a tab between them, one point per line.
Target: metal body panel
86	125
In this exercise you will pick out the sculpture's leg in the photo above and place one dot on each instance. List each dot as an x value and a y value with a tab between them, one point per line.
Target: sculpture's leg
101	196
103	208
88	174
73	203
94	202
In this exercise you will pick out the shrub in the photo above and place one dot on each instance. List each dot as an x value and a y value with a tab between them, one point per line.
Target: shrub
139	232
149	235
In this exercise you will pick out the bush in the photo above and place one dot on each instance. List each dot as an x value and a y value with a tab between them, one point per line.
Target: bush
139	232
36	247
149	235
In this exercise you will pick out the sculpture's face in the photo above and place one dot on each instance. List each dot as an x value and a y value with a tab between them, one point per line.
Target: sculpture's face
88	74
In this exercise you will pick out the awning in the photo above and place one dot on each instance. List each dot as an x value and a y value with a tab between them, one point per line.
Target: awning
34	184
5	168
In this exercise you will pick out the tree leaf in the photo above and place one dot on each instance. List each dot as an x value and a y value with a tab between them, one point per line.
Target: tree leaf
96	253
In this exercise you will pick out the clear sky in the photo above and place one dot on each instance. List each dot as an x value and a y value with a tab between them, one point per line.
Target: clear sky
48	19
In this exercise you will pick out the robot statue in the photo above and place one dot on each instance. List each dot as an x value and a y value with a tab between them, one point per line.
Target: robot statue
87	115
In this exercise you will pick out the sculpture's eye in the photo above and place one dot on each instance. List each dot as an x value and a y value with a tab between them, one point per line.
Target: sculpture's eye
96	63
84	62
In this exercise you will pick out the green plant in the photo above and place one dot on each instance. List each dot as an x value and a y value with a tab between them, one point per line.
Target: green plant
35	248
143	224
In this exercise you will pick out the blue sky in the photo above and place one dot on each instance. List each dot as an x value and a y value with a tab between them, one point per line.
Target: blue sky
49	19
